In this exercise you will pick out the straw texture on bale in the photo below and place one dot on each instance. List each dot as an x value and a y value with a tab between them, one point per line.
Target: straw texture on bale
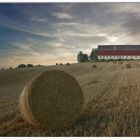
53	99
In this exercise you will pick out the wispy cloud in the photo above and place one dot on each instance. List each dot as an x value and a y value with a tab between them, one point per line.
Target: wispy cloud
62	15
39	19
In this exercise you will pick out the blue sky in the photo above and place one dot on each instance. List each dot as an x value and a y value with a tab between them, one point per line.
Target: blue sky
49	33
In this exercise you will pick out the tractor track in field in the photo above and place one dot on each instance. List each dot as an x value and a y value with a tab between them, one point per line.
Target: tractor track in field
106	90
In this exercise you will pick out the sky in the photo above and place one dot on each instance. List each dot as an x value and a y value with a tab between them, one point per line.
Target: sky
50	33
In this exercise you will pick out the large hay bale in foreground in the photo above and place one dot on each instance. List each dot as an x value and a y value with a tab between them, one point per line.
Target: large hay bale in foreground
52	99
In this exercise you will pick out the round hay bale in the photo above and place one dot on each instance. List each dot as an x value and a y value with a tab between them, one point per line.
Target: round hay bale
53	99
67	64
128	66
120	62
94	66
114	62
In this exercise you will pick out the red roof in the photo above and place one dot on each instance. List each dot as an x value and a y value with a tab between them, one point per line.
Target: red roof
109	53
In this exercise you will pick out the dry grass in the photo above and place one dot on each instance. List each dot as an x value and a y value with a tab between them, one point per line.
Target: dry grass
111	101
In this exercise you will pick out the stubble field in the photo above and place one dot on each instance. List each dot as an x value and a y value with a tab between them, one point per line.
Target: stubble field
111	100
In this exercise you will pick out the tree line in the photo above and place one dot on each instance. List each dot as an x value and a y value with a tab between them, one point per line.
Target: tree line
83	57
23	66
28	65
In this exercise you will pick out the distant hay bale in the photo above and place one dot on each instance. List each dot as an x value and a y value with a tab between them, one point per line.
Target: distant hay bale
114	62
53	99
67	64
128	66
120	62
61	64
94	66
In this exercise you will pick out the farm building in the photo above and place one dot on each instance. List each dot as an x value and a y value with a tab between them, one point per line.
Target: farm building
118	52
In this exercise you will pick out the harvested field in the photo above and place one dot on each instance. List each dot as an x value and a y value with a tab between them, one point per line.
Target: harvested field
111	100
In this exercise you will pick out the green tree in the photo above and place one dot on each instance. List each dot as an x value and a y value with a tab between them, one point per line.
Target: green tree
21	66
93	55
30	65
82	57
85	58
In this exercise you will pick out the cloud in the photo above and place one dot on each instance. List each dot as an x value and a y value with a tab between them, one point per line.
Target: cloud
37	19
133	25
62	16
124	7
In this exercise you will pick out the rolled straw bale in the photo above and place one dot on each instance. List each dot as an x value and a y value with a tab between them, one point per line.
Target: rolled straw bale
120	62
53	99
94	66
128	66
114	62
67	64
